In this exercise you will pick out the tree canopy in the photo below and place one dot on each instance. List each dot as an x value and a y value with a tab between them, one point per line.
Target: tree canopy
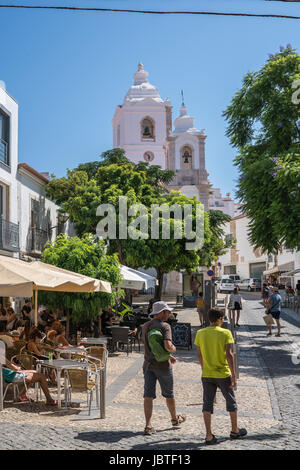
84	256
264	126
92	184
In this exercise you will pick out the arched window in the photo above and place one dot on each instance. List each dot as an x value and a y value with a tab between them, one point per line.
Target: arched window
148	156
147	129
186	158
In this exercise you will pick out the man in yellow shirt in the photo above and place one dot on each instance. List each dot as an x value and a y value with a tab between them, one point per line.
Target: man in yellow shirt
216	360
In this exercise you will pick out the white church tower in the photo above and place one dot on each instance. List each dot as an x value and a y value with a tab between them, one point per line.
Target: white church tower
143	122
186	157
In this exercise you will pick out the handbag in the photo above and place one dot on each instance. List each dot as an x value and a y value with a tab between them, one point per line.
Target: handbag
230	305
269	320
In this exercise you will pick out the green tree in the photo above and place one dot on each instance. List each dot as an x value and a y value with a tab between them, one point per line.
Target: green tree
84	256
264	125
91	184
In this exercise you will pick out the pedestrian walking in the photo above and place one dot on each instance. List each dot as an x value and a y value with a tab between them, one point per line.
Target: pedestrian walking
235	300
216	360
274	308
200	308
156	369
265	294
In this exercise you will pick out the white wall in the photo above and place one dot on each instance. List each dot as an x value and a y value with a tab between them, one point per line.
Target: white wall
8	173
129	118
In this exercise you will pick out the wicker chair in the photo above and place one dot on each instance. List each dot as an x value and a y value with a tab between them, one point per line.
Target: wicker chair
80	381
99	352
18	345
24	360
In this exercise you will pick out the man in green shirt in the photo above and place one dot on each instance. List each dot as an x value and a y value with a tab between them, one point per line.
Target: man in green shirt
215	357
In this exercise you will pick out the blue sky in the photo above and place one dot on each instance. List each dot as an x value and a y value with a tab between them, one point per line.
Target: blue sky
68	71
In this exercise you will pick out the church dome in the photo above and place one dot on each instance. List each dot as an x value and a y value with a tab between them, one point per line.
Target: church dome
141	88
185	123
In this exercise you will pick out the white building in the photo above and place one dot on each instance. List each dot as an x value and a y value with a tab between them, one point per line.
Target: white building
142	126
242	259
28	219
142	123
224	204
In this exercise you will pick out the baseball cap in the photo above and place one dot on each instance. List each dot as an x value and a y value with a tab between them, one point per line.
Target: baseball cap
158	307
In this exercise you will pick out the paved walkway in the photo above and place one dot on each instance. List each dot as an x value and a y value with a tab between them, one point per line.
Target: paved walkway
268	397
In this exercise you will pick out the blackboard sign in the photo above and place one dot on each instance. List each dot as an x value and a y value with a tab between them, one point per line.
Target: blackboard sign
182	335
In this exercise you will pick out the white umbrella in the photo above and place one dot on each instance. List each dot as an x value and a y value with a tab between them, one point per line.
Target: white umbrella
133	279
20	279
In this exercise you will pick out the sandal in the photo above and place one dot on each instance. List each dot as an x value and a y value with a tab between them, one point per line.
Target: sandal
214	440
148	431
51	403
236	435
25	398
278	334
179	420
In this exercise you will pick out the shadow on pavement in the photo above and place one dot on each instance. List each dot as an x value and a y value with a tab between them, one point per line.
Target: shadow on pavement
106	436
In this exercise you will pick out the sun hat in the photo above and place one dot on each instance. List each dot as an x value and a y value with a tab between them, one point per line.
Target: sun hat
158	307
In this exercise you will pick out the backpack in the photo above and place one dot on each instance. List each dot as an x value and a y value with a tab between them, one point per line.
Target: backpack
156	341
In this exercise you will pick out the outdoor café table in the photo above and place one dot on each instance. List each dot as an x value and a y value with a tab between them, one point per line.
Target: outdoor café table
69	350
93	341
61	365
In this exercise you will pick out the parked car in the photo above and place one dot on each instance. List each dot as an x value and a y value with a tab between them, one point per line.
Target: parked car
250	284
234	277
225	286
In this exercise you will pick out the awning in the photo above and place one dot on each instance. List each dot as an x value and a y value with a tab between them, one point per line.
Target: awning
292	273
133	279
282	268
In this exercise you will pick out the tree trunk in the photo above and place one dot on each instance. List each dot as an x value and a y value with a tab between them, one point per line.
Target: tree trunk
158	288
100	323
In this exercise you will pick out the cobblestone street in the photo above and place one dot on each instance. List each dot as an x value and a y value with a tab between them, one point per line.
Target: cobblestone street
268	397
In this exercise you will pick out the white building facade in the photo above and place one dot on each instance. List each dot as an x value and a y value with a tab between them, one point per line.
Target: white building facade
143	127
27	218
242	259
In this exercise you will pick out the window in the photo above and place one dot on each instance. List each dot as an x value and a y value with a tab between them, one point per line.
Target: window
4	138
186	158
147	129
230	269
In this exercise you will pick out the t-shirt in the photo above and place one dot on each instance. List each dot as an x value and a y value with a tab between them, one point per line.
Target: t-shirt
200	303
276	301
25	312
236	298
167	335
212	341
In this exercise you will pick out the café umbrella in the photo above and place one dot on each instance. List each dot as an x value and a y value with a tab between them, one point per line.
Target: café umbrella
24	279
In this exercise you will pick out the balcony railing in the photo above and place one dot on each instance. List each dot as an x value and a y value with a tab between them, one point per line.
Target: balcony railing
38	239
9	235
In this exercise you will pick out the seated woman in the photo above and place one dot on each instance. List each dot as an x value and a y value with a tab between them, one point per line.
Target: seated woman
12	319
60	338
30	377
51	338
35	337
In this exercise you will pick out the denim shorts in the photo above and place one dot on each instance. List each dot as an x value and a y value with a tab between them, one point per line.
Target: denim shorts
20	377
210	386
165	379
